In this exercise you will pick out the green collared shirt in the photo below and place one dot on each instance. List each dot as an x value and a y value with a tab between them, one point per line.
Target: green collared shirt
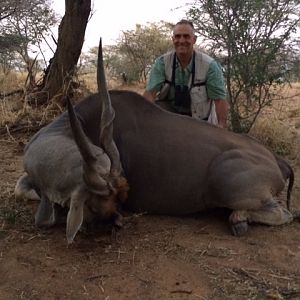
214	84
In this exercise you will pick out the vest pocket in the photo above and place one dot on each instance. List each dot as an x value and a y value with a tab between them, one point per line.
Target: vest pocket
200	106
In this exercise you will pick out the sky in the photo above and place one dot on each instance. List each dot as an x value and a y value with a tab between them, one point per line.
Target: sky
112	16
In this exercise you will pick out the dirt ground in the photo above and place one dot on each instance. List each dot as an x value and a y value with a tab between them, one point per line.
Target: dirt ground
152	257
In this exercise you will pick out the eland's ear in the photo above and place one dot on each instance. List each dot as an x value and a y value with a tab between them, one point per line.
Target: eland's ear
75	215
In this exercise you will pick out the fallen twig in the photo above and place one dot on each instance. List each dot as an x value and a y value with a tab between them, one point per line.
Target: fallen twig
8	132
90	278
181	291
3	95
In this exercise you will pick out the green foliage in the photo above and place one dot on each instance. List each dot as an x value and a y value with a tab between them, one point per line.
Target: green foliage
10	42
134	53
24	24
9	60
294	72
254	40
140	47
7	8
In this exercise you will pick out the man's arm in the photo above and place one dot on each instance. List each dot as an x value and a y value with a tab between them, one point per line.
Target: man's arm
222	112
216	91
156	80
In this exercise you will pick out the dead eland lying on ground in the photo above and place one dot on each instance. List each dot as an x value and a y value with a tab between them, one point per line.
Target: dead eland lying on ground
174	165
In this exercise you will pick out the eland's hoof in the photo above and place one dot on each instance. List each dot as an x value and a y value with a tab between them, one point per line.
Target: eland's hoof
240	228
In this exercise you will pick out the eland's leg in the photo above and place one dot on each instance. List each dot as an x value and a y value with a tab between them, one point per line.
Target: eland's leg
271	213
49	213
24	189
246	182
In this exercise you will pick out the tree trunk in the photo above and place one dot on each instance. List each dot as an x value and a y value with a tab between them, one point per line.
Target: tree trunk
71	32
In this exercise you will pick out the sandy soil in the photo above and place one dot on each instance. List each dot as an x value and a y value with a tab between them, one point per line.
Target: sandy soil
152	257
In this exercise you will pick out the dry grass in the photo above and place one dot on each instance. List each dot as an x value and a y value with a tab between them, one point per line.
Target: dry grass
7	112
12	81
279	137
90	82
17	116
278	127
14	110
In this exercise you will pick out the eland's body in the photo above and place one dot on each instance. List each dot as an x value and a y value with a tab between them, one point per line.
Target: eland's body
179	165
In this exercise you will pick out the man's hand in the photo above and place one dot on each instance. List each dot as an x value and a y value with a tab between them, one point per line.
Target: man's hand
150	96
222	112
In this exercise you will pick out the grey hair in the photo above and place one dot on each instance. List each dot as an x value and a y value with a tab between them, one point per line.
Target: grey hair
186	22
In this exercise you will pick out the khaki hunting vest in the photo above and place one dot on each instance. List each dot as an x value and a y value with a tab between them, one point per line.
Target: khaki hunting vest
201	106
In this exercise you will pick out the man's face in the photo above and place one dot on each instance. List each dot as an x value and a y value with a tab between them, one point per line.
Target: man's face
183	39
